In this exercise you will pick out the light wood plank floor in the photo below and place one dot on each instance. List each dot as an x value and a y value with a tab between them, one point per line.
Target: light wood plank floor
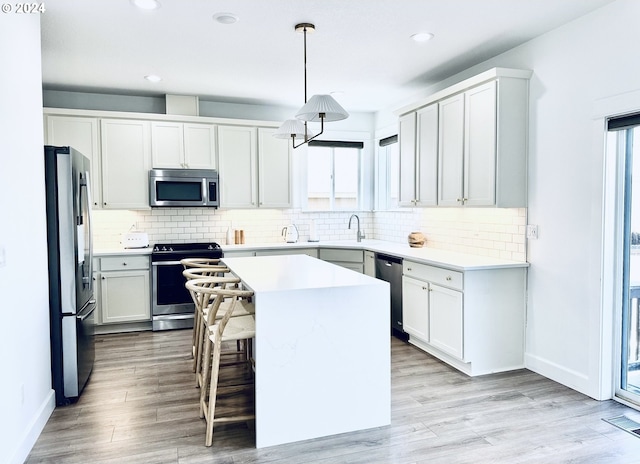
140	406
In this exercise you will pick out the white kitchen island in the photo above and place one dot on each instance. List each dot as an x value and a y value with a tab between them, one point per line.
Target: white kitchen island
322	348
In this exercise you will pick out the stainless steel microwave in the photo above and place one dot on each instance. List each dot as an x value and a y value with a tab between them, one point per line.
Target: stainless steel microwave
183	187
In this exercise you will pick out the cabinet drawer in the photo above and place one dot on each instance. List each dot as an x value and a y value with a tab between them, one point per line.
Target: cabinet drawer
120	263
337	254
437	275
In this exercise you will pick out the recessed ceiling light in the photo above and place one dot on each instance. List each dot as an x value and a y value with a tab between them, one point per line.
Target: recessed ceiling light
225	18
422	36
146	4
153	78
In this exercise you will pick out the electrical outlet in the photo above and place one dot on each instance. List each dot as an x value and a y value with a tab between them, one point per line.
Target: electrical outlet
532	231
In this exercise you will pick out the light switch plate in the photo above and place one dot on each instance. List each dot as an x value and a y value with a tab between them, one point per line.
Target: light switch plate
532	231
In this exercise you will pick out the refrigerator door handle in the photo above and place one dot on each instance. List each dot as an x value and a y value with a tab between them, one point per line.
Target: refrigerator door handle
86	185
84	316
89	215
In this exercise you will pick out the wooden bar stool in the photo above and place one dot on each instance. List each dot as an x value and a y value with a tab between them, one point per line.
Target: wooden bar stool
202	302
196	268
228	328
209	309
201	262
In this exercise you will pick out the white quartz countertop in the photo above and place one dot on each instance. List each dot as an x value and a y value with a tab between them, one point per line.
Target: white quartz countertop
121	251
443	258
294	272
425	255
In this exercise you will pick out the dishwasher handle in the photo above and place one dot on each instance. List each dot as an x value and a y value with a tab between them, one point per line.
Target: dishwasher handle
389	260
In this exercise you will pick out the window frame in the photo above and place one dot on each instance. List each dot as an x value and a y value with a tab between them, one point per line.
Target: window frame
333	145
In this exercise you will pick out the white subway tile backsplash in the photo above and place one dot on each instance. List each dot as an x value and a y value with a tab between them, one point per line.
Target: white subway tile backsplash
497	232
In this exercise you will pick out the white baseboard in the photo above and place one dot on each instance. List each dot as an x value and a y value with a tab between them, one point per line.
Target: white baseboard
568	377
34	429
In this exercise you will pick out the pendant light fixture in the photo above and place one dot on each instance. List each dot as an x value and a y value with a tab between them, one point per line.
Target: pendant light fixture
319	108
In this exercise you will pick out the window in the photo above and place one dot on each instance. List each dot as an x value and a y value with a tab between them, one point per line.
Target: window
333	176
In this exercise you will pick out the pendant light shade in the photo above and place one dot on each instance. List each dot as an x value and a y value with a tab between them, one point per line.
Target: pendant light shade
322	107
290	128
319	108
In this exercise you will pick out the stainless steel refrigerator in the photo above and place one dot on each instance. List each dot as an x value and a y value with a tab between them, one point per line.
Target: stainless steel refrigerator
71	298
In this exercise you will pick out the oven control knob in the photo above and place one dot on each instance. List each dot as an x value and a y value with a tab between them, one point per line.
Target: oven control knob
170	249
164	248
209	247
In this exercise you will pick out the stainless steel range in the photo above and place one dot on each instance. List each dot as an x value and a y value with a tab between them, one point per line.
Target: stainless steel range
171	304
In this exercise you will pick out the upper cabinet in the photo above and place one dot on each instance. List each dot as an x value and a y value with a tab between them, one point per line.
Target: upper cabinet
126	160
274	170
255	168
183	145
468	151
238	154
419	157
469	143
407	141
80	133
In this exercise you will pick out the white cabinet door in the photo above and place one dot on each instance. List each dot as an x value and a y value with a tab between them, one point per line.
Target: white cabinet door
200	146
80	133
480	146
407	140
274	170
446	324
451	151
237	153
427	156
167	145
370	263
175	145
415	308
126	158
124	296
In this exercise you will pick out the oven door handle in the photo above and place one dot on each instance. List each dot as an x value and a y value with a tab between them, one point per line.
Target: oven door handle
165	263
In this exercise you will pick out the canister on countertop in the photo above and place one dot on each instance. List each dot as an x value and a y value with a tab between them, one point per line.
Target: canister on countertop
416	239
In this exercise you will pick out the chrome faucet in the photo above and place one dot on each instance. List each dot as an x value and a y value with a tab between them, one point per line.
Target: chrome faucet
360	234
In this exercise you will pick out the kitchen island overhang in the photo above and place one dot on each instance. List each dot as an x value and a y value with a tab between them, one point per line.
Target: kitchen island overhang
322	348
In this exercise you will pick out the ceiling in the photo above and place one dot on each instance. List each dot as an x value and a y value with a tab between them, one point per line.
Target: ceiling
361	48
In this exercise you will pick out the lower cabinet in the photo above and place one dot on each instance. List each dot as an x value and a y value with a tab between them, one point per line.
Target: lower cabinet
415	308
472	320
291	251
123	289
446	325
370	263
351	259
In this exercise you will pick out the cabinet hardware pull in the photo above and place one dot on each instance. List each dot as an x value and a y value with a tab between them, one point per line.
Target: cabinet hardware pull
448	277
124	264
409	269
103	277
425	288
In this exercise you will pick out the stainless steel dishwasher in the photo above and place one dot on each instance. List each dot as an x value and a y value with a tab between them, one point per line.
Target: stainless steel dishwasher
389	269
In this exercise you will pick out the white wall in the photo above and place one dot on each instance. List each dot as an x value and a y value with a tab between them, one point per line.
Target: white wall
592	58
25	389
575	68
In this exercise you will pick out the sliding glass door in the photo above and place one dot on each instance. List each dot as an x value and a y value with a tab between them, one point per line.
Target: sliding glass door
626	135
